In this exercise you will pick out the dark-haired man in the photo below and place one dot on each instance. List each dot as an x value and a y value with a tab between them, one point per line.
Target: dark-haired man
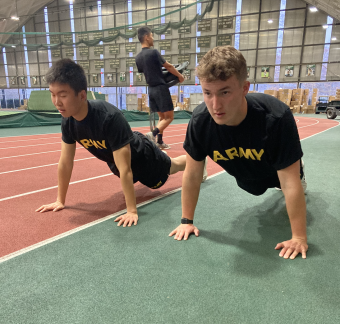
102	129
149	61
252	136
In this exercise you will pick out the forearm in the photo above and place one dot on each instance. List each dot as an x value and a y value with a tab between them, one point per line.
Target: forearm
64	176
190	192
126	179
296	208
173	71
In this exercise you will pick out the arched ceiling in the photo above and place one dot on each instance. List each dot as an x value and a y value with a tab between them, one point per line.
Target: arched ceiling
25	9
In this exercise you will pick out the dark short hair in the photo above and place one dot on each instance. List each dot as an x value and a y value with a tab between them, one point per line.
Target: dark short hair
143	31
220	63
66	71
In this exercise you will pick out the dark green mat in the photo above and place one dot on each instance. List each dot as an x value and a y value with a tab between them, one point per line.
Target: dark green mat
230	274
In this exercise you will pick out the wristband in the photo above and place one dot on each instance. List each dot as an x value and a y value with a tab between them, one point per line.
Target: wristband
186	221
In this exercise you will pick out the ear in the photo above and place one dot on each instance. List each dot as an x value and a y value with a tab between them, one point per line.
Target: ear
83	95
246	86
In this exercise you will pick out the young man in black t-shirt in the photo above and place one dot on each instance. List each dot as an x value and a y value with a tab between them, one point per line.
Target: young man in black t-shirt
149	61
102	129
252	136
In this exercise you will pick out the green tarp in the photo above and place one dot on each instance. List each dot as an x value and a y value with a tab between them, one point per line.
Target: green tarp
29	118
40	100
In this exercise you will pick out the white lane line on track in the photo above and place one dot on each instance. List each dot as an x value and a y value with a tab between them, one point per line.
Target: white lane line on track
15	156
14	147
42	166
29	140
322	131
54	187
80	228
317	122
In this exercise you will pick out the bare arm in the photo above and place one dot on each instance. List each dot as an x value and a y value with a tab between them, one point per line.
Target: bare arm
65	167
173	71
191	183
296	208
122	159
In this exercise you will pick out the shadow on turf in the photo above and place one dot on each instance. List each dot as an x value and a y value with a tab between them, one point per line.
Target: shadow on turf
257	230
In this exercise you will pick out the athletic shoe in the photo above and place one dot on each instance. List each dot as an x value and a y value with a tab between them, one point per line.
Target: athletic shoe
151	137
163	146
205	172
303	179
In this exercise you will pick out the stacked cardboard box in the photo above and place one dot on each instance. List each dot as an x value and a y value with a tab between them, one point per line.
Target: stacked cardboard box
174	99
186	104
139	104
285	95
337	94
331	98
297	109
314	96
271	93
297	95
310	109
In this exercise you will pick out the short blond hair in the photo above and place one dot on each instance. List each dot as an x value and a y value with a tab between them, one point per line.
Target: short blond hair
221	63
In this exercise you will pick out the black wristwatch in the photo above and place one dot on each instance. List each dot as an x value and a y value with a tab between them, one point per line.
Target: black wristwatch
186	221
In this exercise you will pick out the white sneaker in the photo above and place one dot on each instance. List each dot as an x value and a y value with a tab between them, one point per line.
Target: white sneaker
151	137
205	172
163	146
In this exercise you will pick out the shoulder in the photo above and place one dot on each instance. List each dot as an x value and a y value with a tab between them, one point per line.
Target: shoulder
272	107
103	107
201	114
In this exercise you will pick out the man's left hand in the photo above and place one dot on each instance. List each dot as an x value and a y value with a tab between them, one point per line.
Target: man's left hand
291	248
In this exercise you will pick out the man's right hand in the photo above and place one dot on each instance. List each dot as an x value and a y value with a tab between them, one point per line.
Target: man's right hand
56	206
183	231
181	78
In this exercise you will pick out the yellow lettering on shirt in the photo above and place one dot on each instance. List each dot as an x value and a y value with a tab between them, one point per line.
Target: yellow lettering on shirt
86	143
102	143
258	155
247	154
219	156
95	144
89	142
231	153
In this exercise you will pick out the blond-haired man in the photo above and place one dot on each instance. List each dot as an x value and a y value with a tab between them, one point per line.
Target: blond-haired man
252	136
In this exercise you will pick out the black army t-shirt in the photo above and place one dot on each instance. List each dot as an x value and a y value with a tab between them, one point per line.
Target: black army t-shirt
103	131
267	140
149	61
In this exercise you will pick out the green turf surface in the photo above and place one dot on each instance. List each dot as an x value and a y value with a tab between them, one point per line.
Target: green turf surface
230	274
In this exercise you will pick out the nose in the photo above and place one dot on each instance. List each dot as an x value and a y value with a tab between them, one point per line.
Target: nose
56	101
216	103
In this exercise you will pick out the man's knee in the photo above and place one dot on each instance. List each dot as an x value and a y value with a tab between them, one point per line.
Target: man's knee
169	115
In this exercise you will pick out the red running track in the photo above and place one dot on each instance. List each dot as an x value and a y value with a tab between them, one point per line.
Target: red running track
28	171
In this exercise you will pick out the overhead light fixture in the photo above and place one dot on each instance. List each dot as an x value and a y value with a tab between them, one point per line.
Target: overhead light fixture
313	9
13	46
333	38
15	18
325	26
270	21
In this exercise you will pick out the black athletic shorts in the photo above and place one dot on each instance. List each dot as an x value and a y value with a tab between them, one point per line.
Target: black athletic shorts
258	188
160	99
152	169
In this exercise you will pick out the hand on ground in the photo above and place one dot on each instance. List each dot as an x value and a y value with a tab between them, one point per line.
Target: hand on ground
290	249
54	206
183	231
127	219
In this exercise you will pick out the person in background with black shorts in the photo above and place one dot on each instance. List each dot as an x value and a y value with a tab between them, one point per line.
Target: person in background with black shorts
149	61
253	137
102	130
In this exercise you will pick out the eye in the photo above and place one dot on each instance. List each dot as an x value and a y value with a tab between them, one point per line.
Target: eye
225	92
